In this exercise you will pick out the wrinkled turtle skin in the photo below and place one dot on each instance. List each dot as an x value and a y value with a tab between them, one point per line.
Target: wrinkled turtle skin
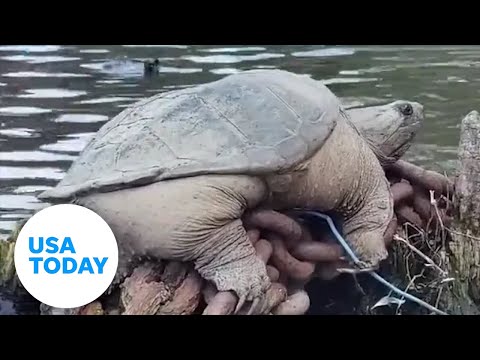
173	174
390	128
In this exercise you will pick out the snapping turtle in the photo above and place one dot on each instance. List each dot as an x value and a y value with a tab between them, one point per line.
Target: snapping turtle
389	128
173	174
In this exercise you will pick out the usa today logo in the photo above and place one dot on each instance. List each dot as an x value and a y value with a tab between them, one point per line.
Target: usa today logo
66	256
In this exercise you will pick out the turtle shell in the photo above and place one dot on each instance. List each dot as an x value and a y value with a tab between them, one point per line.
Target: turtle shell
254	122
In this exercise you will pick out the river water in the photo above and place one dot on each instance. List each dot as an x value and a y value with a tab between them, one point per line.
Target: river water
53	98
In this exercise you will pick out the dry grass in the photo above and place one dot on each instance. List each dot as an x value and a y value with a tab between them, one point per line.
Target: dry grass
419	257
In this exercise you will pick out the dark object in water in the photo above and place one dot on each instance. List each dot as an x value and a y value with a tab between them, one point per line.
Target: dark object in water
130	67
150	67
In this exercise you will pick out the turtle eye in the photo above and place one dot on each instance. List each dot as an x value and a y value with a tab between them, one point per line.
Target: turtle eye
406	109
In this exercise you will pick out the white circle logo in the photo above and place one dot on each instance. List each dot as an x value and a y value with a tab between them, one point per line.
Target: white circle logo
66	256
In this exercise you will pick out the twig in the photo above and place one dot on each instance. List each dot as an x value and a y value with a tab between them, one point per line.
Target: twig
439	295
357	261
422	255
433	202
462	234
420	231
407	295
412	282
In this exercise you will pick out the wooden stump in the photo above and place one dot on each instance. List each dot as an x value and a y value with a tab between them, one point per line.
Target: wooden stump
8	276
7	268
151	290
462	296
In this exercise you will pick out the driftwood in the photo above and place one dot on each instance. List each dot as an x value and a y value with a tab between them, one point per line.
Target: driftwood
462	296
151	290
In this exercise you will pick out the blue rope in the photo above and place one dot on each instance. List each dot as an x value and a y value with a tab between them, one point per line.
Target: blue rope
357	261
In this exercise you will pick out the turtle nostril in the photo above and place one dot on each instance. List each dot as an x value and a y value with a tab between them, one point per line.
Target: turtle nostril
406	109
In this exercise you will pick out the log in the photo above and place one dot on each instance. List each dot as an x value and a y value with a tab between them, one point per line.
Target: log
8	278
9	281
7	266
462	296
94	308
150	291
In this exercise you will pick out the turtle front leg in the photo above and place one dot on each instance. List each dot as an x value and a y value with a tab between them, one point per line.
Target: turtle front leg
229	260
211	234
367	229
197	220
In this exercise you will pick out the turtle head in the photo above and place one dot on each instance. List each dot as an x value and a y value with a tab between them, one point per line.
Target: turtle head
389	128
151	66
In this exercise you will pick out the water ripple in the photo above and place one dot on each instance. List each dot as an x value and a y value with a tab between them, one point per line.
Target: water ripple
158	46
16	216
27	156
234	49
347	80
23	110
126	68
81	118
21	202
19	133
325	52
51	93
39	59
21	173
225	71
116	66
94	51
109	82
104	100
38	74
28	189
73	143
30	48
167	69
230	59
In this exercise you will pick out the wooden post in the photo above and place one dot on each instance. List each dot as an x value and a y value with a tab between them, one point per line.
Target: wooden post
462	296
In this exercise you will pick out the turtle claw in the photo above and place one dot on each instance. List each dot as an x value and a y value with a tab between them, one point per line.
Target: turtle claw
240	303
247	278
255	305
